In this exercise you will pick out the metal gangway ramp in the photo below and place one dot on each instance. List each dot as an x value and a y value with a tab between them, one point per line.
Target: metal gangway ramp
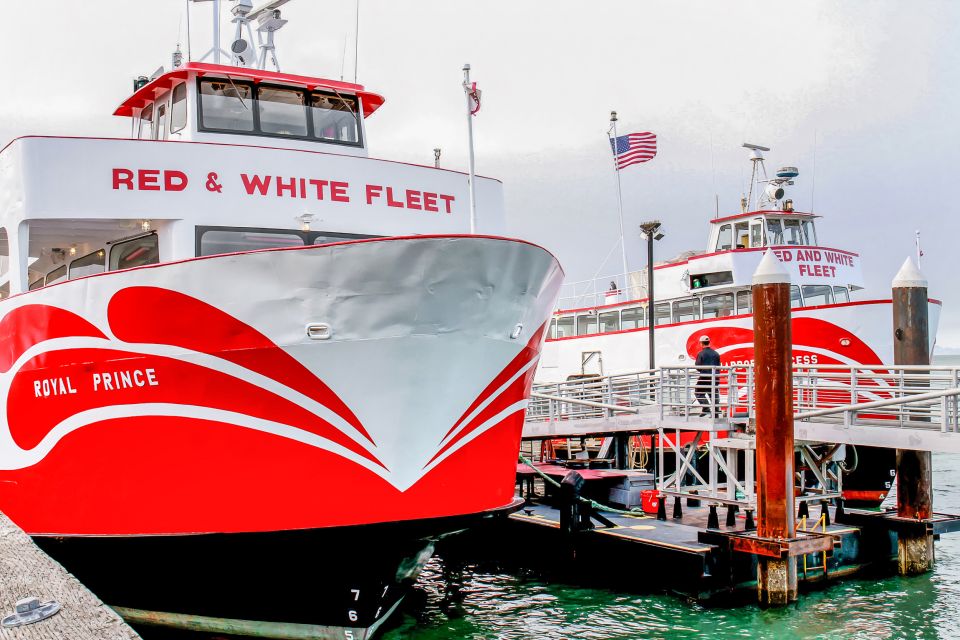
894	406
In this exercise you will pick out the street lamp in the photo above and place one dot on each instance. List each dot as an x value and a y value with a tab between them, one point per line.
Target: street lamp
650	231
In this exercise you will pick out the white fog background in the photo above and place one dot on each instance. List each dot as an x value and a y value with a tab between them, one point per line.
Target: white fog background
863	96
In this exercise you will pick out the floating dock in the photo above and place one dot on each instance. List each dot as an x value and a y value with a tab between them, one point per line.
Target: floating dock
25	571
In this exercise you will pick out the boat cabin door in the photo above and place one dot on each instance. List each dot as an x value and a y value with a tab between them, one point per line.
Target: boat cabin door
591	363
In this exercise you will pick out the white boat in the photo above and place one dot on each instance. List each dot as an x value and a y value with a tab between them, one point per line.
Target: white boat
602	326
245	365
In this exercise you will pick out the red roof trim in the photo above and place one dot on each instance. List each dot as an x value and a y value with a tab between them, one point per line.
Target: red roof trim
764	212
370	101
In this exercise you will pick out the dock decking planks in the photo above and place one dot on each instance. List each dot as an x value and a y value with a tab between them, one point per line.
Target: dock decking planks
25	570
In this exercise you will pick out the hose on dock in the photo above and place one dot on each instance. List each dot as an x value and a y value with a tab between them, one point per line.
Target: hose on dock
635	512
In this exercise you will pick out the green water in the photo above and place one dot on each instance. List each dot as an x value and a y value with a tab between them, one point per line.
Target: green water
478	604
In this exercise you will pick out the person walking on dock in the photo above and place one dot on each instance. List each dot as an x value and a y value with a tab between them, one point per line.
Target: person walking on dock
707	362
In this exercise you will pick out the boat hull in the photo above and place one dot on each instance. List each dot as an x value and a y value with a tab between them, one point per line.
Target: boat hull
338	582
224	435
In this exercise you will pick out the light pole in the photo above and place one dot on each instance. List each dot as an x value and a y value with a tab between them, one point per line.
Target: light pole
650	231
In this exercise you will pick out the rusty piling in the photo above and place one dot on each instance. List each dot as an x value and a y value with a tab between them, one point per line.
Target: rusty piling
776	577
911	346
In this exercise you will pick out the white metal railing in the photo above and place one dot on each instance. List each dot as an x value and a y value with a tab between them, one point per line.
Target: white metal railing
599	291
593	397
921	397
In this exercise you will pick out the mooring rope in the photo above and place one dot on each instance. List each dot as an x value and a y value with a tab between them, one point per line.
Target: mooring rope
635	512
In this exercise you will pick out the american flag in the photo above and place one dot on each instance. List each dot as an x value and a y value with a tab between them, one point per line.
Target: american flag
633	148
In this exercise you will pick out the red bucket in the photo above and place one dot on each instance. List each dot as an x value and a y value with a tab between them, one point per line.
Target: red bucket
649	501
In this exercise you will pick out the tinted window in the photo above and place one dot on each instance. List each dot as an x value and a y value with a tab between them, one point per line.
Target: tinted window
609	321
134	253
146	123
817	294
565	326
216	241
795	299
686	310
744	301
718	306
58	274
226	105
282	111
841	293
725	238
162	122
586	324
335	118
88	265
662	313
632	318
178	110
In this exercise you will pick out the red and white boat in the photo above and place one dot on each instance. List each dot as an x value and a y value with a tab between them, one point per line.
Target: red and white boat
244	365
602	325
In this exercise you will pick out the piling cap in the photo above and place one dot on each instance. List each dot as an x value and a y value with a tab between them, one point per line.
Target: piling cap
770	270
909	276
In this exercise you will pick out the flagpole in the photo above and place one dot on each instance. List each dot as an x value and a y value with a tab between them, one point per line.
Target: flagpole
623	246
473	197
919	251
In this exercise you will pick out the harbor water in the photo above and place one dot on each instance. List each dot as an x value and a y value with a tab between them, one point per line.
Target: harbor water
472	602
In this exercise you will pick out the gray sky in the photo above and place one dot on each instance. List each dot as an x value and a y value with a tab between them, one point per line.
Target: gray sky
875	83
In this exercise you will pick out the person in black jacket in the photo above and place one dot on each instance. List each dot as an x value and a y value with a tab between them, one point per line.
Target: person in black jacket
707	361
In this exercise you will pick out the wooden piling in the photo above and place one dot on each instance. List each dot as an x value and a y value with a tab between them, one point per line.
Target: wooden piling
911	346
776	577
26	571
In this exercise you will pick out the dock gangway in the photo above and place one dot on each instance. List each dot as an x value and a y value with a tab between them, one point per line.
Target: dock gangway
894	406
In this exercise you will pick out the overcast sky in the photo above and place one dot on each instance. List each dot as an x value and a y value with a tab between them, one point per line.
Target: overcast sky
862	96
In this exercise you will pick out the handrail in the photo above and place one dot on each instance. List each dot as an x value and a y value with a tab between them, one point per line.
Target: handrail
874	404
586	403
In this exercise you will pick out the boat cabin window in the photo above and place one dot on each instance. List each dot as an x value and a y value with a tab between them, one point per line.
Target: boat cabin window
718	306
226	106
288	112
552	331
817	294
792	232
609	321
775	232
178	108
756	233
841	294
282	111
632	318
36	284
686	310
335	118
742	235
216	240
796	300
88	265
661	313
162	122
565	326
58	274
809	232
146	123
744	301
725	238
586	324
135	252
